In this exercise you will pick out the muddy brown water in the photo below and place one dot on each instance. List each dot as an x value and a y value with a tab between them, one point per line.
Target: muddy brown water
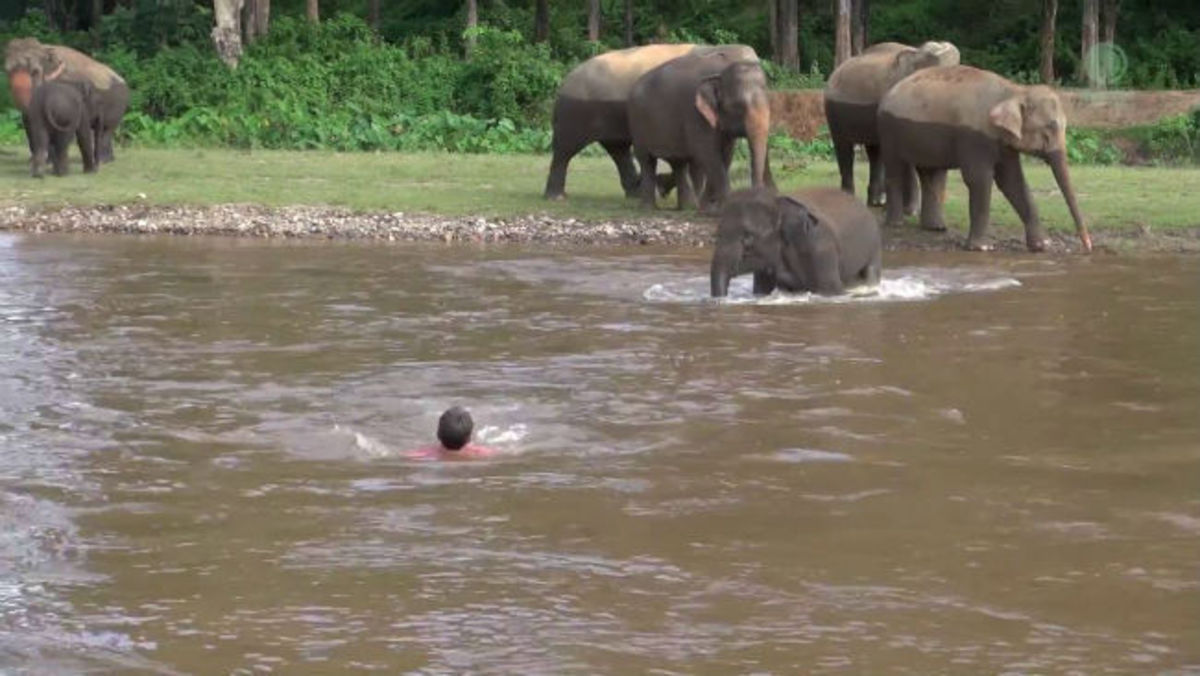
990	465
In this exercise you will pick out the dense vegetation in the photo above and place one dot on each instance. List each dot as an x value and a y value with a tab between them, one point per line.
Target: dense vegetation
406	85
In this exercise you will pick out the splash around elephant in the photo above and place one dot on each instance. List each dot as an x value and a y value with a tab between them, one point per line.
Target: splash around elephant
57	113
821	240
959	117
29	63
690	111
591	103
852	100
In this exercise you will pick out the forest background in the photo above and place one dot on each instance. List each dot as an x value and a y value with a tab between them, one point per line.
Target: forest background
480	75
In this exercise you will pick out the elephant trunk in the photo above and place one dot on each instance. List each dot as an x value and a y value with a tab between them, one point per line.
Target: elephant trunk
725	263
758	127
21	86
1062	175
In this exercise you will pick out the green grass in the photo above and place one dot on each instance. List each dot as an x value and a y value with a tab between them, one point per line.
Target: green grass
507	185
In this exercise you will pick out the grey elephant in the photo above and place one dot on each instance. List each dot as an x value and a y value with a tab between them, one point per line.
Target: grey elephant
591	102
821	240
959	117
852	99
691	111
58	113
29	63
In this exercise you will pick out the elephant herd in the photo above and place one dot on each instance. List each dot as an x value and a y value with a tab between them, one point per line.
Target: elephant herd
64	95
916	111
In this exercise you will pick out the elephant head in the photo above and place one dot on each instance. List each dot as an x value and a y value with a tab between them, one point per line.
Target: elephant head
1032	121
928	55
735	102
750	239
28	63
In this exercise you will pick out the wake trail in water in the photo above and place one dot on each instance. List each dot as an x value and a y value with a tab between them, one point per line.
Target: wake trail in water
504	438
902	284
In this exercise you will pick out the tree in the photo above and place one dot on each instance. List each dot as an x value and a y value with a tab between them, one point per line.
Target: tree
1108	27
472	22
860	17
227	33
1049	17
773	29
256	18
1087	48
594	20
373	15
541	21
312	11
789	33
628	23
842	47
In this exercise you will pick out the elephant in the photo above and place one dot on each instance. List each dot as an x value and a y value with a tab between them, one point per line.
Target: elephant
960	117
59	111
821	240
591	106
852	99
691	111
29	63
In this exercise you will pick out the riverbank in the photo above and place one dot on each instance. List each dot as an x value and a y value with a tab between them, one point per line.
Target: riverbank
497	198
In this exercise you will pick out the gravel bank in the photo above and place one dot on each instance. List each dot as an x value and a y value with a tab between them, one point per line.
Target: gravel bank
236	220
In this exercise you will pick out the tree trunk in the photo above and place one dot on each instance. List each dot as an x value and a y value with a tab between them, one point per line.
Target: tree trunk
789	33
773	20
841	39
541	21
227	34
256	18
594	20
628	23
472	22
373	15
312	11
1108	27
1087	48
860	17
1049	17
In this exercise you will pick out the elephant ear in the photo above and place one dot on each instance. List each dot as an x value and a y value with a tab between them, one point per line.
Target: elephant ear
707	100
795	220
1007	117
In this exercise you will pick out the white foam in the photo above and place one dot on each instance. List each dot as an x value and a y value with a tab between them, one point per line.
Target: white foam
495	434
902	284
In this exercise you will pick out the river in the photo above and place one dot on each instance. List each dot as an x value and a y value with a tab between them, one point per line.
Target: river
989	464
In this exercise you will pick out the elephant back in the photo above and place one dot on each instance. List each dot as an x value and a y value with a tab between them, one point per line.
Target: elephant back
610	76
57	61
864	79
81	67
961	96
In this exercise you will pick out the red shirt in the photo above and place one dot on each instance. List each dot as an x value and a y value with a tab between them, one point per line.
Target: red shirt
439	452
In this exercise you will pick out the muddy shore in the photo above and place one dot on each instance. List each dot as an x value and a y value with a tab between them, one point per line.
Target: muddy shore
331	223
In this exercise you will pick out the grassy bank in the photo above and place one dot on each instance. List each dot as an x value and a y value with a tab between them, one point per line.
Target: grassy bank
1114	198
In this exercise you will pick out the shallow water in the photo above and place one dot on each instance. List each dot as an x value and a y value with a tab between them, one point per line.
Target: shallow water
989	463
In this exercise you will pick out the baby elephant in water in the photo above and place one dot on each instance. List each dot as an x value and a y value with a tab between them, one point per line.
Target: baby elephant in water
821	240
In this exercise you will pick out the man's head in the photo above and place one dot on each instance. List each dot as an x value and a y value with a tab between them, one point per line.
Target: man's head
454	428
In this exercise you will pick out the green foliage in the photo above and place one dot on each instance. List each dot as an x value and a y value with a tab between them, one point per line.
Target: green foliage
1089	146
11	131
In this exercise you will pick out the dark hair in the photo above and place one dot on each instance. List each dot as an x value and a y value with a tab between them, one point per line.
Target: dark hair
454	428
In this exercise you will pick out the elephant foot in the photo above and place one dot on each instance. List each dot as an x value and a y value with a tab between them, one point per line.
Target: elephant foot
876	201
555	197
934	227
1036	245
893	223
976	245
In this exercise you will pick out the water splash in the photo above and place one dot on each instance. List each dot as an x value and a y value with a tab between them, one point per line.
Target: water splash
901	284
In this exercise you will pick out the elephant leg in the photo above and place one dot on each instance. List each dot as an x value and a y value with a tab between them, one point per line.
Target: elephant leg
844	152
649	165
59	146
979	185
716	178
619	152
684	197
39	147
912	192
696	174
875	183
86	138
933	185
1010	178
894	171
28	133
104	144
874	270
764	283
556	181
